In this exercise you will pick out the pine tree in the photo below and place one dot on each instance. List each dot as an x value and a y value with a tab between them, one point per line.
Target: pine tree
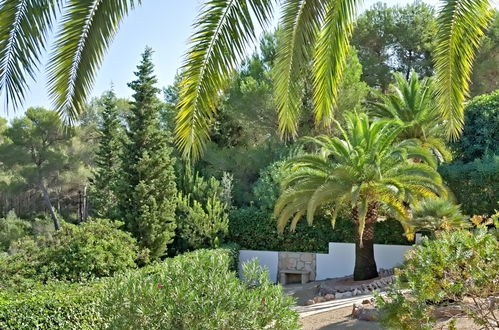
148	193
103	199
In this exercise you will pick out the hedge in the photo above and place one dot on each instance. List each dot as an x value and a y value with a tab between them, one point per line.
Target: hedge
475	185
59	305
255	229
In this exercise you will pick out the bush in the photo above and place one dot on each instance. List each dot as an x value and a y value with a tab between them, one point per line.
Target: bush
201	214
56	306
480	136
256	229
475	184
196	291
92	249
12	229
459	268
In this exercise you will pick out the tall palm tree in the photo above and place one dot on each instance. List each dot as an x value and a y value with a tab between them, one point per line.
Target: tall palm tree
366	169
317	30
412	102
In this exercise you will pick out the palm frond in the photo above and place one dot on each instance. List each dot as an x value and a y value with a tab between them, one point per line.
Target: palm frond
88	28
24	25
330	56
300	23
461	25
222	31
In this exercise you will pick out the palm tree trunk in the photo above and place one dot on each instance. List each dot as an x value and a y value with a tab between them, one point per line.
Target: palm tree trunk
365	264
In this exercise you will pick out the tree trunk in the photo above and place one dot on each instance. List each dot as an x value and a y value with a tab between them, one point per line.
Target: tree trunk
49	205
365	264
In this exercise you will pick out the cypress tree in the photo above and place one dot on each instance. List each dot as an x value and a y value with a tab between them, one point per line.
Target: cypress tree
103	199
148	194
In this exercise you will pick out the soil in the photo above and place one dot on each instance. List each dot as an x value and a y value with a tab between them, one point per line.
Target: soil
336	319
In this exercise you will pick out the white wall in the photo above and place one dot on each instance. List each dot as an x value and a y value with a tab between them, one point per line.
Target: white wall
340	260
267	259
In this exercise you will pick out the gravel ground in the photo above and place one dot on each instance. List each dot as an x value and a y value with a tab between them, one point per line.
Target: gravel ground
336	319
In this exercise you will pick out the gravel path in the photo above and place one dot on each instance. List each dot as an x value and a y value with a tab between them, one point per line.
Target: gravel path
336	319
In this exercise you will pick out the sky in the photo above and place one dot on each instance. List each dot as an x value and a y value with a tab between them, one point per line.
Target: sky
164	25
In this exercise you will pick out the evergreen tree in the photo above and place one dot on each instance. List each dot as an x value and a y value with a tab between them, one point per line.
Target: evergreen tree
148	191
108	160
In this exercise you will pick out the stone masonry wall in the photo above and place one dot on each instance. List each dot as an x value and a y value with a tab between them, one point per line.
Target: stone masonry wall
298	261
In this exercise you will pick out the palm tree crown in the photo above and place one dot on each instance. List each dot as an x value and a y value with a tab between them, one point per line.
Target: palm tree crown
365	169
413	103
312	30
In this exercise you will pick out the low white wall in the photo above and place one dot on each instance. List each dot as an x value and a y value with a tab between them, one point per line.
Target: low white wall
340	260
267	259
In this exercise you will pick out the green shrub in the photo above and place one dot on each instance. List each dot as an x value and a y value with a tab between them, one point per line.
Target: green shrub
195	291
92	249
12	229
201	214
256	229
56	306
20	269
266	189
458	267
475	184
480	136
75	252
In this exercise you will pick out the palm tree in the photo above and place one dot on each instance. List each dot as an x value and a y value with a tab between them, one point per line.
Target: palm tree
435	214
312	30
413	103
366	169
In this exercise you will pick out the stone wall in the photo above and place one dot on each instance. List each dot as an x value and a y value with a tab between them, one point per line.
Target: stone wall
298	261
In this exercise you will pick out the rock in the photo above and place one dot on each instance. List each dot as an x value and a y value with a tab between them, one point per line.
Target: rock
347	294
307	257
356	292
364	314
366	301
355	310
329	297
319	299
300	265
309	302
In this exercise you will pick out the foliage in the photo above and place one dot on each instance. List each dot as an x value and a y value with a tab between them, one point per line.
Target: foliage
255	229
395	39
147	192
485	78
267	189
108	161
12	229
456	43
475	184
58	305
76	253
92	249
201	214
457	268
434	214
38	144
196	290
480	136
364	170
412	102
